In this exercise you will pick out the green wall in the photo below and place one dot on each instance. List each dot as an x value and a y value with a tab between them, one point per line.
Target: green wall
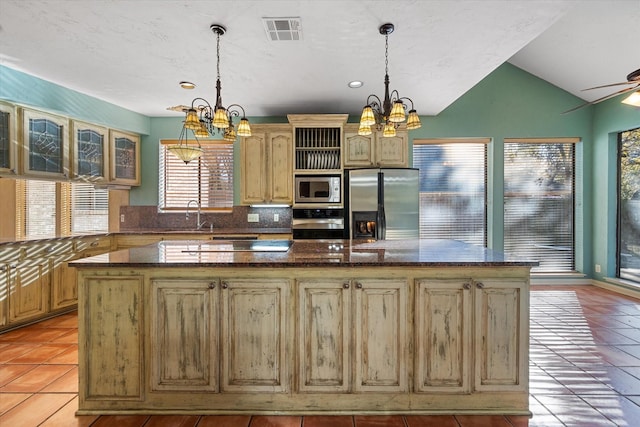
508	103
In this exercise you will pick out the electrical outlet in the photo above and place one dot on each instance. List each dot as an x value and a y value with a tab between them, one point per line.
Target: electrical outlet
253	218
121	217
598	269
276	217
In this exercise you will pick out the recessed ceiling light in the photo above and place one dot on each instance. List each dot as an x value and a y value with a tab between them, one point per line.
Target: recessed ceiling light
355	84
187	85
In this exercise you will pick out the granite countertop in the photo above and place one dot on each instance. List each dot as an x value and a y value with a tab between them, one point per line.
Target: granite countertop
305	253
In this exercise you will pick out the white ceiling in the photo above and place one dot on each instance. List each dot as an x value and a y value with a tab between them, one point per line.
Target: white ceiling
134	53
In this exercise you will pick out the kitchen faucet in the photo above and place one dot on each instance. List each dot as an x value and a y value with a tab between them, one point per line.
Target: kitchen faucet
198	223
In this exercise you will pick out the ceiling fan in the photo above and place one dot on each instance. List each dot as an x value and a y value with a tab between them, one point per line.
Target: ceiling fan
632	79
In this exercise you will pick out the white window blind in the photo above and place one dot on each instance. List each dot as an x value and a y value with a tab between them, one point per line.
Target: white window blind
452	188
89	209
208	179
539	202
40	209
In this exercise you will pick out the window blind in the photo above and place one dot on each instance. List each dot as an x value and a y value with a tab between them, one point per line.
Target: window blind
89	209
452	188
208	179
40	209
539	202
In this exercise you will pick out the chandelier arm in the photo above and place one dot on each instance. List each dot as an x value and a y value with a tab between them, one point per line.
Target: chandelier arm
236	113
375	103
408	99
200	107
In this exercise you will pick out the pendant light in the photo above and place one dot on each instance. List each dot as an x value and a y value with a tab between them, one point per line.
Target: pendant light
388	114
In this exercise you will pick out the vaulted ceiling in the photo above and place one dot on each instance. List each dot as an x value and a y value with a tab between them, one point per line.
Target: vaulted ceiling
134	53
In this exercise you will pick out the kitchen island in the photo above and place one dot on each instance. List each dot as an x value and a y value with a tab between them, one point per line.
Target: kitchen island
304	327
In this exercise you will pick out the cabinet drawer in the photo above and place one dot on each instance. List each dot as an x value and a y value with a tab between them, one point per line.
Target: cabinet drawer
96	243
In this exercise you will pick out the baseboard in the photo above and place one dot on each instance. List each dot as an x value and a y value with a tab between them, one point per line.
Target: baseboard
620	286
569	279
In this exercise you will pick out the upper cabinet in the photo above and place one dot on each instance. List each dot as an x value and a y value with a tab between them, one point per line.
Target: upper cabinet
45	142
125	158
318	142
90	153
374	149
266	165
8	140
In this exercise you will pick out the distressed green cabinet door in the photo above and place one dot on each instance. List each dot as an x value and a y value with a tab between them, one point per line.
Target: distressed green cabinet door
381	335
256	340
501	334
443	320
324	335
184	335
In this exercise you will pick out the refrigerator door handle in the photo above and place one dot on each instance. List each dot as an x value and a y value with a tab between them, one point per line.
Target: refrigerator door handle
381	220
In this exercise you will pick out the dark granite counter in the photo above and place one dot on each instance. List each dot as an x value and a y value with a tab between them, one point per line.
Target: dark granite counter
307	253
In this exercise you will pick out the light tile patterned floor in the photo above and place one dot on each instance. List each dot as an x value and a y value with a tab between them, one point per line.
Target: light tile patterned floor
584	368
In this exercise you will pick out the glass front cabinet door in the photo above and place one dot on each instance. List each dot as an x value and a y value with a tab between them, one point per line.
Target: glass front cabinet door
90	155
8	141
46	144
125	158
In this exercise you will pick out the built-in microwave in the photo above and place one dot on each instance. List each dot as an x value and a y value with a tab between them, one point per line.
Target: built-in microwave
326	189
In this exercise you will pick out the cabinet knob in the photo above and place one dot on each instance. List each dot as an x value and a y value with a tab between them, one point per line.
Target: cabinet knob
480	285
345	285
358	285
467	286
212	285
225	285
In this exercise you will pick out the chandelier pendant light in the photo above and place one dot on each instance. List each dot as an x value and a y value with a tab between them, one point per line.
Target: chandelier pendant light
205	120
387	115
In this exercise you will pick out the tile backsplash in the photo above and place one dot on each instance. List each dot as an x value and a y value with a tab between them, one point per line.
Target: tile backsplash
134	218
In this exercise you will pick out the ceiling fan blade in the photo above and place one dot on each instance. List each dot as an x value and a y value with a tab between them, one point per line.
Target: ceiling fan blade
179	108
611	85
604	98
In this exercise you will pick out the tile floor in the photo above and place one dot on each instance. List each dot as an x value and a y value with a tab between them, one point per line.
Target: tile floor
584	366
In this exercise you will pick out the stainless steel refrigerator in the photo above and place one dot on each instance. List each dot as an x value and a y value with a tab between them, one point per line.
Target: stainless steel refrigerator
382	203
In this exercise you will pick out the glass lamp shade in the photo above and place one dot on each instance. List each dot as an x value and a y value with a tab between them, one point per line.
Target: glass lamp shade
185	153
229	134
243	127
367	118
220	118
389	130
633	99
201	132
397	112
364	130
192	121
413	122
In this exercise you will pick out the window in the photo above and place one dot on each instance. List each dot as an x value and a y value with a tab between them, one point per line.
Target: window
89	209
539	202
628	252
208	179
40	209
452	188
48	209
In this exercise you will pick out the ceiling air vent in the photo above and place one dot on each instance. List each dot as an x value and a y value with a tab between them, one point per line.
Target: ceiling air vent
283	28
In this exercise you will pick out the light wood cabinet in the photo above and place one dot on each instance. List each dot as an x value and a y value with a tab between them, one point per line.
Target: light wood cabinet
184	335
28	290
64	286
8	140
443	319
501	313
375	150
378	362
112	353
254	334
451	314
267	166
124	158
90	153
45	142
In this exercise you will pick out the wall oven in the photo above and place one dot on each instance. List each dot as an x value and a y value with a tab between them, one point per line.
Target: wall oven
319	223
318	190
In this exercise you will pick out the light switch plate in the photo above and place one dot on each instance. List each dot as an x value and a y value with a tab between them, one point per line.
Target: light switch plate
253	218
